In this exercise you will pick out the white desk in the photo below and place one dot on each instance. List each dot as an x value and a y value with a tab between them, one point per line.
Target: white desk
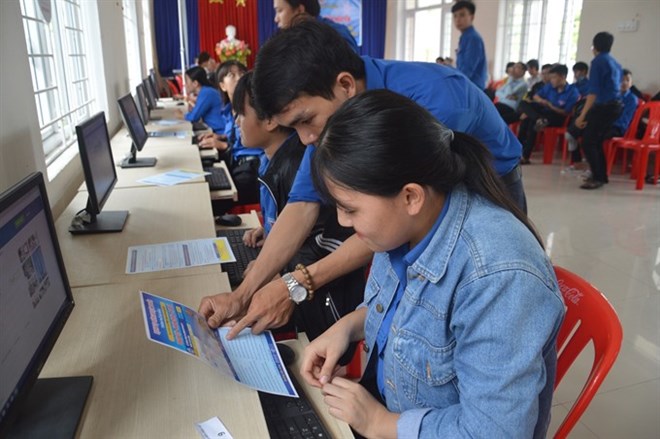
142	389
156	215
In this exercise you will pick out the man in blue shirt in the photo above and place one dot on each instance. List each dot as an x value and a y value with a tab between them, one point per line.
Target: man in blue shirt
552	105
601	109
629	101
511	94
471	54
302	76
581	78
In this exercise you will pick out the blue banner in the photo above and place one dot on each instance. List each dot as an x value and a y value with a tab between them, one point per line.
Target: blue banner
345	12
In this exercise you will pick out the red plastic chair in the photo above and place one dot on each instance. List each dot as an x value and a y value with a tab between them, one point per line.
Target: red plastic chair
641	147
630	134
550	136
589	318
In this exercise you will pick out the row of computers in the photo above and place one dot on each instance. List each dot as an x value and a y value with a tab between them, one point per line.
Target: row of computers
35	295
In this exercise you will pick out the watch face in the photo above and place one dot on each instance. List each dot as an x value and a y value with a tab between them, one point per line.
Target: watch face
298	293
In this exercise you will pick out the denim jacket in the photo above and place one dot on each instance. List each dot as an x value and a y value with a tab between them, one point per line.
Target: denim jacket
471	350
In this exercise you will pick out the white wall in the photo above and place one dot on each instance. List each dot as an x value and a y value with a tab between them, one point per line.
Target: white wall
637	51
20	142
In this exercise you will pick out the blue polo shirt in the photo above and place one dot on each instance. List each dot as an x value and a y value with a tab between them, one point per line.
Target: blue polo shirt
401	258
471	57
605	78
343	31
208	107
629	108
445	93
583	86
565	99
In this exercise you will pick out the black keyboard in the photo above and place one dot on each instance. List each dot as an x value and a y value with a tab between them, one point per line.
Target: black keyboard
244	255
218	179
288	417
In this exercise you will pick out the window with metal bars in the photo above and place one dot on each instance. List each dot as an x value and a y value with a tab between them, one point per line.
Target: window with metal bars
546	30
427	29
57	53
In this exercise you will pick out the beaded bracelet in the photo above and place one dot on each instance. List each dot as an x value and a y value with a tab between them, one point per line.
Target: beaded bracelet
308	281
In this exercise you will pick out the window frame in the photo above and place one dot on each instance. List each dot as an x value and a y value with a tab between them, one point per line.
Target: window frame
72	97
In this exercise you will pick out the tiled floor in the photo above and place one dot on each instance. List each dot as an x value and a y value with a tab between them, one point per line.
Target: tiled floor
611	237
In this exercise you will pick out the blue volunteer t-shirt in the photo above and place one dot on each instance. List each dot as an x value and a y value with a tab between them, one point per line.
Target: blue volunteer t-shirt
208	107
564	99
629	108
445	93
605	78
471	57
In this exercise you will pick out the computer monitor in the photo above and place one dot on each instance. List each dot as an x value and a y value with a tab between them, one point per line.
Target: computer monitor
154	83
152	97
100	178
35	303
138	133
143	106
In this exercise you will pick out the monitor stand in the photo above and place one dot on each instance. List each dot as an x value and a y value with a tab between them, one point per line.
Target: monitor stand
53	408
104	222
142	162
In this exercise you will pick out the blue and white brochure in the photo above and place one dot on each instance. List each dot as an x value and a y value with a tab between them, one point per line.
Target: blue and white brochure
252	360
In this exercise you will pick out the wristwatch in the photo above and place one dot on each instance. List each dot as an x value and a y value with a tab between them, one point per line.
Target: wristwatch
297	292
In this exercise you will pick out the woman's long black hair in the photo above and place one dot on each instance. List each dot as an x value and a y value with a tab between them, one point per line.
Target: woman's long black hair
222	71
379	141
198	74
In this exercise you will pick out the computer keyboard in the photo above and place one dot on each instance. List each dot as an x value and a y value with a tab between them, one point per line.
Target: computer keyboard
218	179
244	255
288	417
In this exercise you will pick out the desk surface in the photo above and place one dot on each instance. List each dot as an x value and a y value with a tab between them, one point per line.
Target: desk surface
144	390
156	215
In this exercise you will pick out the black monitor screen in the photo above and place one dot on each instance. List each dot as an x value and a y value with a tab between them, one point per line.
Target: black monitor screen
152	80
97	160
129	113
35	297
149	93
142	102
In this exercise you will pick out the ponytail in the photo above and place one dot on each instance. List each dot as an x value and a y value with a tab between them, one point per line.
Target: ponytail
481	178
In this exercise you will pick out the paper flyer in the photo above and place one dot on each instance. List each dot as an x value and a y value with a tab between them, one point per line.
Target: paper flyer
172	178
180	254
252	360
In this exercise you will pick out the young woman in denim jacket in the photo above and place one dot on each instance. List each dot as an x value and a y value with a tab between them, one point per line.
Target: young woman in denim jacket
461	309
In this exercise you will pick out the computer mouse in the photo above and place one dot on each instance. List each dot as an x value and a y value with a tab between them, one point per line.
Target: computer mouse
287	354
228	219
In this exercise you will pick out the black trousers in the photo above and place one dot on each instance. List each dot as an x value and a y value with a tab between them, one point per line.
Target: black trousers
508	114
599	121
534	112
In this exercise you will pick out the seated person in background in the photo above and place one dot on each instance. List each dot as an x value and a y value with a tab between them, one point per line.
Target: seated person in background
207	105
439	60
462	308
545	79
209	64
511	94
581	78
290	12
533	70
552	104
302	75
493	86
449	62
283	154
